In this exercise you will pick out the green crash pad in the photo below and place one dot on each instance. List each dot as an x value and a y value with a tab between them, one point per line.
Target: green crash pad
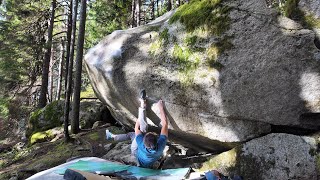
125	171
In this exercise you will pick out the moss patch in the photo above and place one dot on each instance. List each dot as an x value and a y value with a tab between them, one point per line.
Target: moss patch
41	136
234	162
88	93
311	22
201	19
210	15
191	40
160	42
155	47
94	136
164	35
187	62
226	159
153	28
290	8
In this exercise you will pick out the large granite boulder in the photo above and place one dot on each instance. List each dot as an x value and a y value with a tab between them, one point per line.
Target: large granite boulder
256	70
275	156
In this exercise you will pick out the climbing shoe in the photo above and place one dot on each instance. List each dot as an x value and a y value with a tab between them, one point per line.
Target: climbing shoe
108	134
143	94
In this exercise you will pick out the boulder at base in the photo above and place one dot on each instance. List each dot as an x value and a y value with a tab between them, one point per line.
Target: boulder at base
275	156
252	68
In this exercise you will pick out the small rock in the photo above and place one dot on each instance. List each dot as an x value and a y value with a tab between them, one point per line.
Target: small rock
19	146
97	124
108	147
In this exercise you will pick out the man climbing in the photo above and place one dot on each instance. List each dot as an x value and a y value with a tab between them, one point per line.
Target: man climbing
147	147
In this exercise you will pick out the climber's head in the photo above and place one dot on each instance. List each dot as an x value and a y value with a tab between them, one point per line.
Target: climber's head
150	140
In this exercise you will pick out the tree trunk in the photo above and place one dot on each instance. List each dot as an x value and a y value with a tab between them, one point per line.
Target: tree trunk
138	13
133	11
46	61
67	74
77	84
152	9
50	77
59	81
169	7
158	12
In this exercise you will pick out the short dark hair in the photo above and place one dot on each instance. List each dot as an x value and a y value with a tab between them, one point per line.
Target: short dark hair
150	140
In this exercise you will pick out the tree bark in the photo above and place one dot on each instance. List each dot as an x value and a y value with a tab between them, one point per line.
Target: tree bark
133	11
77	84
152	9
138	12
68	67
169	7
158	12
50	77
59	81
46	61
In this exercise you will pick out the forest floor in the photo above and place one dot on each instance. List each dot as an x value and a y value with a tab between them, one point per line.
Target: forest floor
20	160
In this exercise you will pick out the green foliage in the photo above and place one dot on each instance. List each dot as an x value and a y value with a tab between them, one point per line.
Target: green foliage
155	47
22	38
88	93
289	8
191	40
159	43
164	35
104	17
207	14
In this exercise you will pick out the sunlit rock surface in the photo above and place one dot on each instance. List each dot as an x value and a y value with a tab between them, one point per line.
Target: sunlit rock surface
270	76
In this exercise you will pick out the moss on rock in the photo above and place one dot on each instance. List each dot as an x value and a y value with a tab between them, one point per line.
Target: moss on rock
94	136
234	162
210	15
41	136
311	22
43	119
226	159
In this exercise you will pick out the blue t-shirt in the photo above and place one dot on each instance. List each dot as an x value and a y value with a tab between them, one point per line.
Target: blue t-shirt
147	157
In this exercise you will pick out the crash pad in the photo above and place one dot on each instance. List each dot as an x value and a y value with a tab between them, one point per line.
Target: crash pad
102	166
124	171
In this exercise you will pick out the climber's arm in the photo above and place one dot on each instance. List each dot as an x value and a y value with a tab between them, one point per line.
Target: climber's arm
137	128
164	121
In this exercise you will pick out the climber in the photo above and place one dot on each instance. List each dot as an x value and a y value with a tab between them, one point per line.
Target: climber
147	147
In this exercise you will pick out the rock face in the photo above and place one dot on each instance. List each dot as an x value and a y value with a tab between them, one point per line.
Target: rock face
92	111
275	156
312	6
267	74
